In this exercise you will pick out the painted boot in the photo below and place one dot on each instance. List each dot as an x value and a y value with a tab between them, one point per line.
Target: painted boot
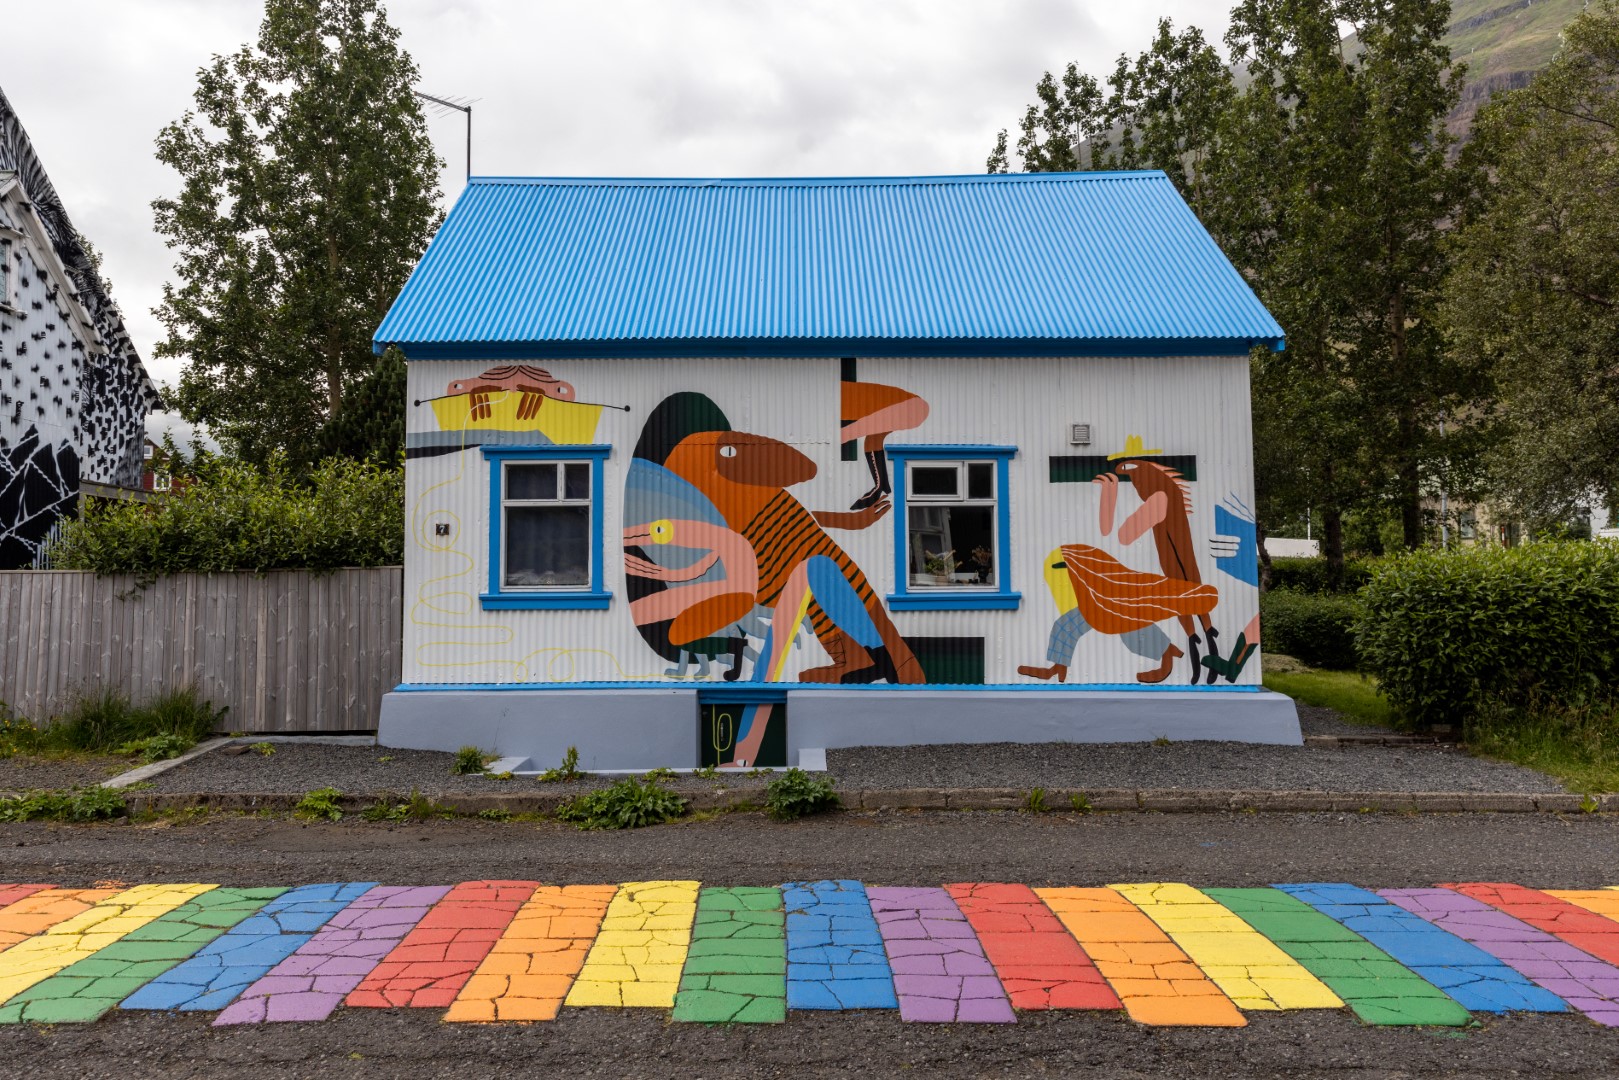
877	462
1059	670
1214	652
738	648
1161	672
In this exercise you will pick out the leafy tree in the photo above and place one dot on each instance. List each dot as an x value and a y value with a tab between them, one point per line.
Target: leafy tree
309	191
1535	288
370	425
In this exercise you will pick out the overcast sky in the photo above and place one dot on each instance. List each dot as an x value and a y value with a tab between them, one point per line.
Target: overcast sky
583	88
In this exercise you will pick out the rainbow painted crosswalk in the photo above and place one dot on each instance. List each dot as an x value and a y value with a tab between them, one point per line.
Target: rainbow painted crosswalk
1166	953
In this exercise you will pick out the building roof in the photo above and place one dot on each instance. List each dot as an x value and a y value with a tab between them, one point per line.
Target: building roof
1096	263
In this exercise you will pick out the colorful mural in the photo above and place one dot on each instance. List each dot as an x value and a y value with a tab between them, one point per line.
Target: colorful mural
511	404
719	552
1094	591
869	413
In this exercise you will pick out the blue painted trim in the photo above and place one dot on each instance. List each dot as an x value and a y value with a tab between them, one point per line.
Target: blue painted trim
820	181
796	348
955	601
1000	598
542	601
596	597
742	693
702	685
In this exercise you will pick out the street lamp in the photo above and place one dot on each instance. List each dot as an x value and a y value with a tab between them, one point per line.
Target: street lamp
457	106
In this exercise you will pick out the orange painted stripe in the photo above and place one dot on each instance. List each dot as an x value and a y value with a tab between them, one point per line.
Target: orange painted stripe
10	894
1036	958
37	913
1580	927
531	968
1157	982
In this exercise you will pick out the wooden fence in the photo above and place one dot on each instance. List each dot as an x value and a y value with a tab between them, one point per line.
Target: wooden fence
286	651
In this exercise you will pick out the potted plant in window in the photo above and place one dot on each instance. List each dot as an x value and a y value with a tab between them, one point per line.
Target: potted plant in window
985	563
941	566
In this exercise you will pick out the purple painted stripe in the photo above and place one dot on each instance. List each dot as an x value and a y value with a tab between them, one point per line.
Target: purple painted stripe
1586	983
313	981
941	974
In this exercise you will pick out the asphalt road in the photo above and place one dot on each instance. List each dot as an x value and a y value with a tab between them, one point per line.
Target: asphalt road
1378	850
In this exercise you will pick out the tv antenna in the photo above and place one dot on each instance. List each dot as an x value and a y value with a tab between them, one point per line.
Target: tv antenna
445	106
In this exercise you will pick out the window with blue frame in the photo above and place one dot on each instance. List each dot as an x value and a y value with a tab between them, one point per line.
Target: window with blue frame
545	527
952	528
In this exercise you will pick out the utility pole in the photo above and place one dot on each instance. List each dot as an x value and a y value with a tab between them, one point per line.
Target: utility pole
460	107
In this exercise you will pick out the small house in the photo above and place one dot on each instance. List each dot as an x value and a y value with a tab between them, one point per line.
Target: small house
729	472
74	394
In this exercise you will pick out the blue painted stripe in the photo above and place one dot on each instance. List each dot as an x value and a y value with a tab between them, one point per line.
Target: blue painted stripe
238	958
835	956
811	688
1477	980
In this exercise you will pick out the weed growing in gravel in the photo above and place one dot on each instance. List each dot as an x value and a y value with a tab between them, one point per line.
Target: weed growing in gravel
1035	800
708	772
659	775
155	747
417	808
1162	740
568	772
319	805
78	804
756	773
628	804
1080	803
263	749
796	793
495	813
469	761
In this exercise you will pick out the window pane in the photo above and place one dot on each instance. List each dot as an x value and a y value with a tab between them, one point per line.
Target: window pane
576	482
531	481
951	546
935	480
980	480
547	545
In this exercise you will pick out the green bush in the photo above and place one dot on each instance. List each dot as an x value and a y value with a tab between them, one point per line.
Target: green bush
235	516
796	793
568	772
1534	627
1310	574
104	721
1317	628
628	804
79	804
470	761
320	805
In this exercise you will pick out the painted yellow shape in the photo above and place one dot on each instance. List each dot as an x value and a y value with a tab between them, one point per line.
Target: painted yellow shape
38	913
38	958
1602	901
563	422
1155	980
528	973
1244	963
641	947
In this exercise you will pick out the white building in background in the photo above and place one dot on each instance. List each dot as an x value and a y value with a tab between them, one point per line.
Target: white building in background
74	395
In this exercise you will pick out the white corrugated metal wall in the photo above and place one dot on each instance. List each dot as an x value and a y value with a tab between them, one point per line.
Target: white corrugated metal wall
1181	406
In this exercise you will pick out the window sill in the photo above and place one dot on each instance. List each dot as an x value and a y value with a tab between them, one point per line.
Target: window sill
946	600
557	601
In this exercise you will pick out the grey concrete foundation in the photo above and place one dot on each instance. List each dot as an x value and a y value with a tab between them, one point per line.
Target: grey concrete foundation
646	729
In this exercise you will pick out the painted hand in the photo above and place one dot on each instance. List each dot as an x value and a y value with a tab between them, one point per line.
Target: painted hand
1110	500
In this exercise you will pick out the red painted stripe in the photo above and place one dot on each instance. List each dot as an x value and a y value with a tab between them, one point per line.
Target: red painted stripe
10	894
1036	958
1580	927
433	962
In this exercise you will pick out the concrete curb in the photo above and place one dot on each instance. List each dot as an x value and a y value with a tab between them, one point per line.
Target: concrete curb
1169	801
146	772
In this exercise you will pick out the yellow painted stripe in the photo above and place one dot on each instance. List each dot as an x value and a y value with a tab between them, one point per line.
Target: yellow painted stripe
38	958
38	913
1601	901
641	947
1155	980
1248	966
533	964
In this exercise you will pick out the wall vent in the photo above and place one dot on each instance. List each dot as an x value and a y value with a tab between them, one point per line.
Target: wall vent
1079	434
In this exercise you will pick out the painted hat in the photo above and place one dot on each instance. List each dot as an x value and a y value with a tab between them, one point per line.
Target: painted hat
1134	446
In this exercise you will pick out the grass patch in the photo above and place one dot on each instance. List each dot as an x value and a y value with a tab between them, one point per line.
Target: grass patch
1352	694
470	761
568	772
105	721
78	804
796	793
1579	746
320	805
628	804
418	808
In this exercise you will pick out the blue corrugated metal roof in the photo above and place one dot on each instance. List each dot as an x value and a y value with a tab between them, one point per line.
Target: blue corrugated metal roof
1047	263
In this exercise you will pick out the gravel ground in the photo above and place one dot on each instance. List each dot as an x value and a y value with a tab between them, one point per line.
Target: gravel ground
1316	720
19	773
357	770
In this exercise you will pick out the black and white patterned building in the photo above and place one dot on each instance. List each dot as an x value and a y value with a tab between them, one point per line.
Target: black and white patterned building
74	394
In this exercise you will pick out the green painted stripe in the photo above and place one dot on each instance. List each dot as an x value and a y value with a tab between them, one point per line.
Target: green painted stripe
736	969
84	990
1377	987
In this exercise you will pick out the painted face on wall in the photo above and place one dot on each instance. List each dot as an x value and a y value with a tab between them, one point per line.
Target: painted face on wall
742	458
521	377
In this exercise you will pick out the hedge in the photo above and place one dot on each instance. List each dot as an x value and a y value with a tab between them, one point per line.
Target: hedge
1317	629
1310	574
1447	633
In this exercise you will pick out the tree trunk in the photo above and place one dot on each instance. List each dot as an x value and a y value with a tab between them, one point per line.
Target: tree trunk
1264	558
1410	484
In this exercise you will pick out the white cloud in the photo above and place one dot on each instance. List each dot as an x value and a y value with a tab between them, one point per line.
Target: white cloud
611	87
